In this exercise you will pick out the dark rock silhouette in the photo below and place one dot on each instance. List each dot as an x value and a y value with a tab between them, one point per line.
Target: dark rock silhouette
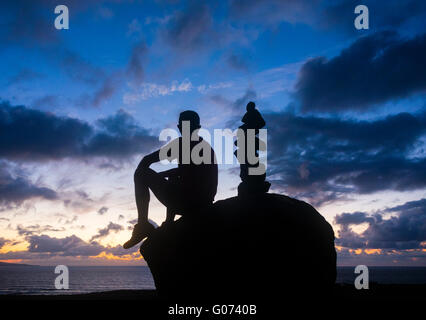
247	246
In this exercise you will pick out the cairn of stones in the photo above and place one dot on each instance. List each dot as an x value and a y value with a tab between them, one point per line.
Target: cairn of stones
252	171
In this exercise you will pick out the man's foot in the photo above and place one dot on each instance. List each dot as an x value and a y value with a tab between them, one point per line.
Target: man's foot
140	232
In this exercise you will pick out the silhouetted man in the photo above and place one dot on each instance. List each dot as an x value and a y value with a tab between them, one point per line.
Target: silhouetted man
189	188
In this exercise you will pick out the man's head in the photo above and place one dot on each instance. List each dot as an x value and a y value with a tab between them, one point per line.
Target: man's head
193	119
250	106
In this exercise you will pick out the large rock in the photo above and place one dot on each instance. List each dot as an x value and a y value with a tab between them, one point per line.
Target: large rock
245	246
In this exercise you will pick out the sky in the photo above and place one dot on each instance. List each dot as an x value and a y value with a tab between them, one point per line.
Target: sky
344	108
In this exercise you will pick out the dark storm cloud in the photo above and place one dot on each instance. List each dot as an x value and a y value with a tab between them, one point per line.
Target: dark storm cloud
373	70
120	136
111	227
16	188
32	134
68	246
28	134
327	158
352	218
406	230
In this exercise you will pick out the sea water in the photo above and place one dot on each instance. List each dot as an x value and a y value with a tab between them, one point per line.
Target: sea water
41	280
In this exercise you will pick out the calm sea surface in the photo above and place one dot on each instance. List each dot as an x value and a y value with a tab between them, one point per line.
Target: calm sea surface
40	280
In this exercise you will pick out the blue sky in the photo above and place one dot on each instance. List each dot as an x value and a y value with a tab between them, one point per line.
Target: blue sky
345	112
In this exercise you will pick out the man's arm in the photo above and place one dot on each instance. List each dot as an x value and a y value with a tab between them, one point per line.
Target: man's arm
171	173
149	159
154	157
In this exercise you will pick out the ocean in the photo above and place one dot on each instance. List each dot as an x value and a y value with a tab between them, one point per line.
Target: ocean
40	280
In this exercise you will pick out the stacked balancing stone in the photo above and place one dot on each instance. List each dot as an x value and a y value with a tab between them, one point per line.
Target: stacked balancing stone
252	172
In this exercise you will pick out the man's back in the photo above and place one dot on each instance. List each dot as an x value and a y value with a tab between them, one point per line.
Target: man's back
198	172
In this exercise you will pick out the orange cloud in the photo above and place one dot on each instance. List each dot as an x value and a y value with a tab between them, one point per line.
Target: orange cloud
110	256
12	260
373	251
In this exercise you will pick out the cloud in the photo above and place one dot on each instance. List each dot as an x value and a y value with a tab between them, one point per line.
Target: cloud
103	84
374	69
16	188
273	12
380	257
237	62
152	90
26	23
103	210
104	92
206	88
236	107
68	246
43	247
198	27
240	103
79	69
135	70
30	23
326	14
25	75
410	14
157	20
191	28
111	227
345	156
3	241
33	135
352	218
35	229
405	230
47	100
105	13
134	28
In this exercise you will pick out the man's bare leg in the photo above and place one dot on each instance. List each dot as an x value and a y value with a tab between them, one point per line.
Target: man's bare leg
143	227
